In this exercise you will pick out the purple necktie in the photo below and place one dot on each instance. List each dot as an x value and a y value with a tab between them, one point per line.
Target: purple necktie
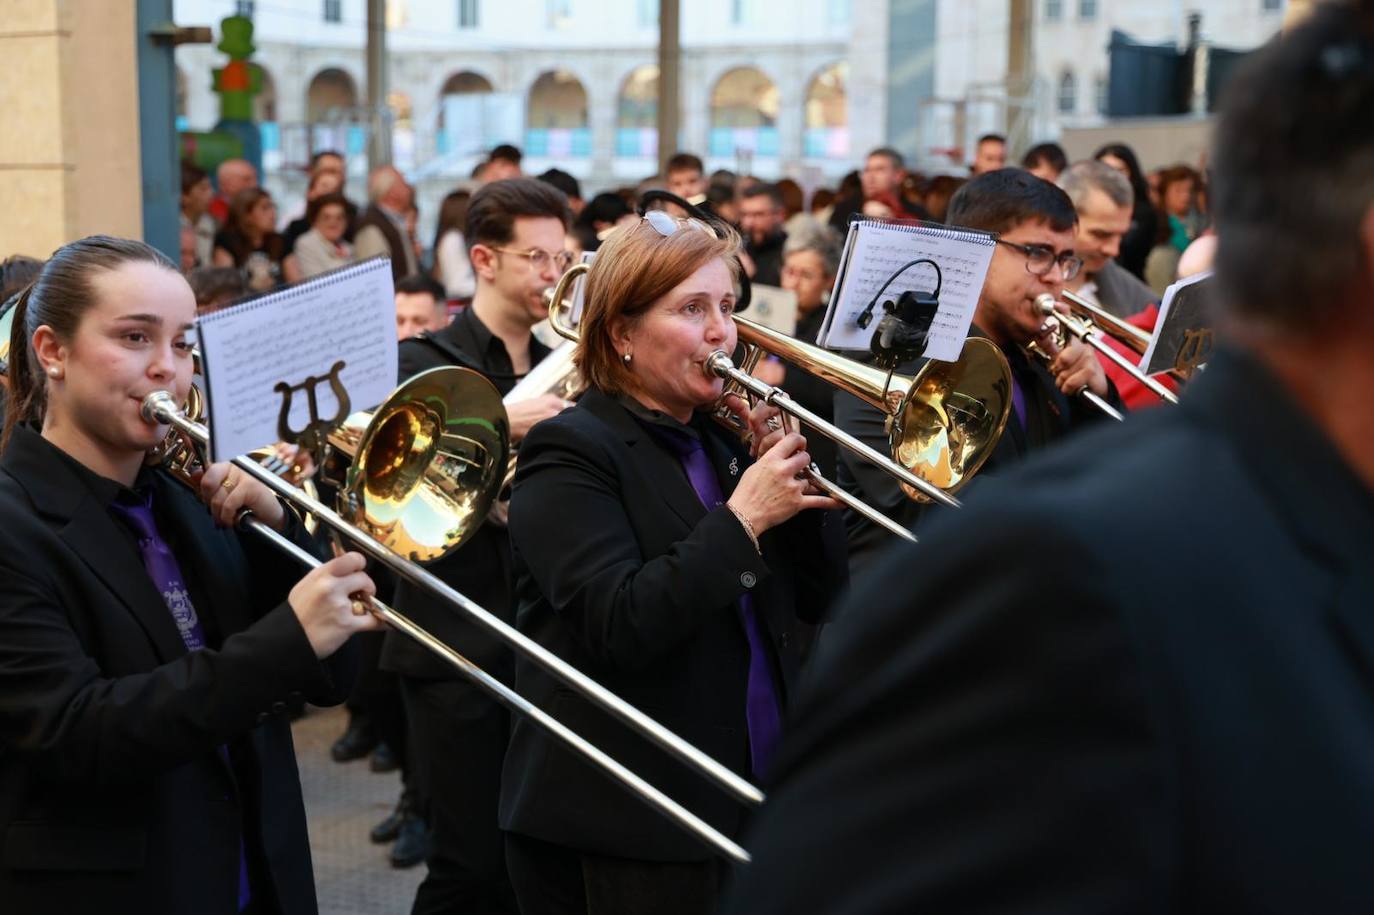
167	578
761	711
1018	401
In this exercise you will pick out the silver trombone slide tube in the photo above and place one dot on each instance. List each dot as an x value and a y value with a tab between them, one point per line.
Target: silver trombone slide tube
813	473
1089	335
518	703
162	407
1139	340
718	363
1102	405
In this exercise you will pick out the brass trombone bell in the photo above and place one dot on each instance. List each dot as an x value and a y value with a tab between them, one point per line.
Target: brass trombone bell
943	422
426	465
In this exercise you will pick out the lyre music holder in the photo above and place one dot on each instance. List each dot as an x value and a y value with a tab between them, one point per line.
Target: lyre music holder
314	435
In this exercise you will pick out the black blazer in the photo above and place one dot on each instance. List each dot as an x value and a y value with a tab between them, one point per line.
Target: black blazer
114	796
1135	679
1050	416
621	571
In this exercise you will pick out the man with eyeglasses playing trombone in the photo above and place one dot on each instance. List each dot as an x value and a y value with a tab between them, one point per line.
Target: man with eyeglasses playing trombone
515	230
1034	256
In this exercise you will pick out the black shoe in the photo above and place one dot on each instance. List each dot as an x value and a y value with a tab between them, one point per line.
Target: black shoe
387	830
412	843
384	759
357	742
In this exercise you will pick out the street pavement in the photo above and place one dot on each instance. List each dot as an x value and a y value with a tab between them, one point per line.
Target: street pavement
342	802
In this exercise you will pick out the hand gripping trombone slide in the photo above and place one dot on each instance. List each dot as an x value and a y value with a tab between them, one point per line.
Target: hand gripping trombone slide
1082	327
161	407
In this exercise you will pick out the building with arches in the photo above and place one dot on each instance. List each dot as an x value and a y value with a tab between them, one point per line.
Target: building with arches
573	83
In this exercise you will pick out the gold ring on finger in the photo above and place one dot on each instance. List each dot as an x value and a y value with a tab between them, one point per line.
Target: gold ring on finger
359	608
228	484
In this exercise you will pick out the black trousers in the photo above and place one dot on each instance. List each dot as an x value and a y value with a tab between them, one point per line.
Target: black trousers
554	880
458	739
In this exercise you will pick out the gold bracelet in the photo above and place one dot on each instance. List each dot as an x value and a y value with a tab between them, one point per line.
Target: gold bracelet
748	528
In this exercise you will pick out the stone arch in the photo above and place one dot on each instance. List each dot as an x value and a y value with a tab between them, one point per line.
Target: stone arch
331	92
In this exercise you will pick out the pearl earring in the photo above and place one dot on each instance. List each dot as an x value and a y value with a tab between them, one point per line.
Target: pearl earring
627	357
54	371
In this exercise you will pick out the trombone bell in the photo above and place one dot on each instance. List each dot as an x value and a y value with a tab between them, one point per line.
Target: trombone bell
427	464
943	422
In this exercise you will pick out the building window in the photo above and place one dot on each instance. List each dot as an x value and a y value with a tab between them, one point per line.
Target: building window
1271	6
243	8
1100	91
840	11
742	12
646	13
559	13
1068	93
1087	9
1054	10
467	14
333	10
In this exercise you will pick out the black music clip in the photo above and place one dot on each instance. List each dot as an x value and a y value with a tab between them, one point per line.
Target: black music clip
314	435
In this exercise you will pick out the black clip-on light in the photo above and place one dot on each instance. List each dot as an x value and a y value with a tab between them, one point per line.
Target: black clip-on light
905	325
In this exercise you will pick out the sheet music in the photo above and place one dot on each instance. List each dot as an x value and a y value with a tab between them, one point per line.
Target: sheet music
1183	312
292	334
878	250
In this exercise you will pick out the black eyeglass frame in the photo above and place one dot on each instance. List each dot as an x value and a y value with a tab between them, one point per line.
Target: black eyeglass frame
1069	264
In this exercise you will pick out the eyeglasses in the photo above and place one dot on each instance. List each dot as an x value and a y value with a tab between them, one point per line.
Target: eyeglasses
540	259
1040	259
666	224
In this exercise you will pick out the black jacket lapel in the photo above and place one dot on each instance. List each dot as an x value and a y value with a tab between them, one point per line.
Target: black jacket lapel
95	537
86	526
653	459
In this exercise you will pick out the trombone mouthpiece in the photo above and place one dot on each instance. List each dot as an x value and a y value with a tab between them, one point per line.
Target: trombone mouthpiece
158	406
717	365
1045	302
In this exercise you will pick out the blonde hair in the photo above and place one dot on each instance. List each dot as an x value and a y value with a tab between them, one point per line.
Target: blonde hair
635	267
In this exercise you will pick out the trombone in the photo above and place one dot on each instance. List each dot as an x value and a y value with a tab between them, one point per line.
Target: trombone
558	300
942	423
422	477
1086	330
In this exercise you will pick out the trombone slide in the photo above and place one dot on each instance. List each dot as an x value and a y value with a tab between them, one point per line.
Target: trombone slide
718	363
518	703
1088	333
162	407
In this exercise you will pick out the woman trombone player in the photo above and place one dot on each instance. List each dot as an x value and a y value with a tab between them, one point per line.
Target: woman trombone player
146	649
655	551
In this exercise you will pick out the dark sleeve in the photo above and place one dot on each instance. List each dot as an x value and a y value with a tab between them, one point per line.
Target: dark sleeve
414	357
83	723
570	526
273	573
975	735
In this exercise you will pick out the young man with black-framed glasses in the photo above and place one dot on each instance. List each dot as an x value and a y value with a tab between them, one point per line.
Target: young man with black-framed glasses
514	230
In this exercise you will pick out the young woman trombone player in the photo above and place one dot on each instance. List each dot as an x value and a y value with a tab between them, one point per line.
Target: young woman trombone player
147	650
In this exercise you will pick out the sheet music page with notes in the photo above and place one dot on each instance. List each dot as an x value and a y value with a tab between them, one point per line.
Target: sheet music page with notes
876	250
289	336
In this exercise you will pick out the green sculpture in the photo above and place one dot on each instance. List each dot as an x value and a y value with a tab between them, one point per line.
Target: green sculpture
235	136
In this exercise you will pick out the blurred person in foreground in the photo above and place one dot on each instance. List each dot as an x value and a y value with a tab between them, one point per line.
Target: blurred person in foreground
984	733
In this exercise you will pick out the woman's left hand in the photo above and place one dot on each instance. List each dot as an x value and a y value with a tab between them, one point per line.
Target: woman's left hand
228	490
766	424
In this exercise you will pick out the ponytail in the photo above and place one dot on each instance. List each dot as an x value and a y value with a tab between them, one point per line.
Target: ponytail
25	390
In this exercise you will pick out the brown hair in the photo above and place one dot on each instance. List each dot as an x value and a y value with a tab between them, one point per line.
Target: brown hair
635	267
59	297
493	209
316	206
